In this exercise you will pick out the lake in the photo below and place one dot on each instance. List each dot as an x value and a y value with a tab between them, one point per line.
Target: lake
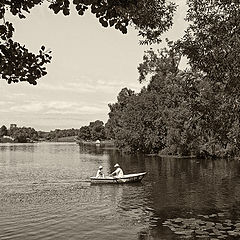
45	194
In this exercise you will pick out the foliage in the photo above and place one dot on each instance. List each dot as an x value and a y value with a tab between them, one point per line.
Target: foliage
178	112
136	120
212	42
23	134
28	134
84	133
142	128
95	131
16	62
150	17
3	131
212	45
198	107
58	133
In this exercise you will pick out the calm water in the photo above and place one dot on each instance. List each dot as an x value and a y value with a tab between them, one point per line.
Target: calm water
44	193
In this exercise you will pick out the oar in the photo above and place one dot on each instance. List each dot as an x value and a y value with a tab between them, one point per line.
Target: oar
84	180
84	183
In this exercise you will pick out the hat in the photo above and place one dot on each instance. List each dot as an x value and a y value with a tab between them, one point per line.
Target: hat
100	167
116	165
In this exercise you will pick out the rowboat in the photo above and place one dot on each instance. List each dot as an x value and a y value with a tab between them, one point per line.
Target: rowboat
128	178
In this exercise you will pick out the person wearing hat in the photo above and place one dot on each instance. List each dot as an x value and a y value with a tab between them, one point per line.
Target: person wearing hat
118	171
100	172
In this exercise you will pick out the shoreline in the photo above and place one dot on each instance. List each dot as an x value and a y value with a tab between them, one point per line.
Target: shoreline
172	156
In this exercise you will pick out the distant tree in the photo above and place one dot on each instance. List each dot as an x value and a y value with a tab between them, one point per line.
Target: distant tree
60	133
97	130
151	18
84	133
24	134
3	131
42	134
94	131
21	138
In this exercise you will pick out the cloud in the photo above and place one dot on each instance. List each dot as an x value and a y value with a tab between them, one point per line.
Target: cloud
76	109
64	87
5	103
105	86
57	108
5	106
28	107
89	85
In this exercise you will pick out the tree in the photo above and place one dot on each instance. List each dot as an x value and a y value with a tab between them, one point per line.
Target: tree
84	133
3	131
212	42
177	112
141	126
116	109
23	134
94	131
97	130
199	108
212	45
58	133
150	17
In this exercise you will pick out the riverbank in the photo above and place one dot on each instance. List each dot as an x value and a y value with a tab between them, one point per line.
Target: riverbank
172	156
104	142
61	139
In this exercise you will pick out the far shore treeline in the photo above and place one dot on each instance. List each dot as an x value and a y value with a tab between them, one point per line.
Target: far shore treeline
95	131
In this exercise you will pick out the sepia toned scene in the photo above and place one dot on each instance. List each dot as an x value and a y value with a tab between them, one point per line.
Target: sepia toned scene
119	119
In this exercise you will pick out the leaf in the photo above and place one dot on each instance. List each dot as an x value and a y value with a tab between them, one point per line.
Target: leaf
66	11
76	2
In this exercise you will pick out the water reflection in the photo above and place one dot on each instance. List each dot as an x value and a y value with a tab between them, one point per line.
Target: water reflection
44	193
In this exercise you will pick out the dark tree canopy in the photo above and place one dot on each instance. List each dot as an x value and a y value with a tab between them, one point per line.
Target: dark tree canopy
150	17
94	131
178	112
212	42
3	130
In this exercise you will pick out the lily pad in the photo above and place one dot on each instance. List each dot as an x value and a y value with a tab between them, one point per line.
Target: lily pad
200	229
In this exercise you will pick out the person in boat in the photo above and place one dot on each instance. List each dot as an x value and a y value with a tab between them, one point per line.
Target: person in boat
100	173
118	171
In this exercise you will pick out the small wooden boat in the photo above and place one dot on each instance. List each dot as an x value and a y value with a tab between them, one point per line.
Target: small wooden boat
128	178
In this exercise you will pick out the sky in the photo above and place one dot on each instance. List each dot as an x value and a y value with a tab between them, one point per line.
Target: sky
90	66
